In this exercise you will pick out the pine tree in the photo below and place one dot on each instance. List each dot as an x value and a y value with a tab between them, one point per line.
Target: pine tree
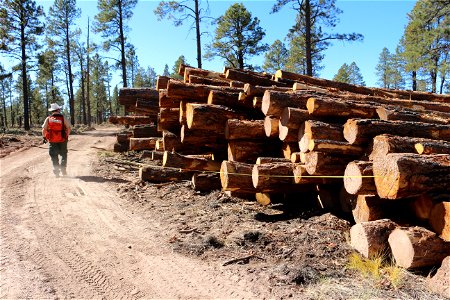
276	57
176	66
312	14
110	22
166	70
19	27
62	17
237	37
180	11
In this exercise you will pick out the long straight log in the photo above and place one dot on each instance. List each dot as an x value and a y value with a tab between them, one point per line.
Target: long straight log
286	134
206	182
361	131
402	175
191	71
207	81
175	160
336	147
440	220
158	174
229	99
298	86
140	131
138	144
201	138
252	78
386	143
258	91
371	238
271	160
130	120
237	84
276	177
194	92
318	130
417	247
274	102
249	150
236	177
361	89
244	129
211	117
358	178
301	176
324	164
171	142
394	114
294	117
432	147
128	96
325	107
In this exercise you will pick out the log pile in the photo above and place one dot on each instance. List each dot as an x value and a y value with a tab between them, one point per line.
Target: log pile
375	153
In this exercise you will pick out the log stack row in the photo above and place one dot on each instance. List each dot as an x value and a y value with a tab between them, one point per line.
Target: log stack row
374	153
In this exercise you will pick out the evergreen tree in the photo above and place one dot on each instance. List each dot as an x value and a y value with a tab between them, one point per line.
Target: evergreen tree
238	36
343	74
427	41
276	58
179	11
176	66
384	68
19	28
312	16
166	70
110	22
62	17
99	99
350	74
132	64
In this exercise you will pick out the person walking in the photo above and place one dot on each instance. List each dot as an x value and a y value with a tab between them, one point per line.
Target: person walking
56	130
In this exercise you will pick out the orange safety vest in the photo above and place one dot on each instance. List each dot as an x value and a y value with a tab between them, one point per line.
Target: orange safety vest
56	132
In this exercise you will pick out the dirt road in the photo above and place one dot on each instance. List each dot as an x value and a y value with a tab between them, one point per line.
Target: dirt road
73	237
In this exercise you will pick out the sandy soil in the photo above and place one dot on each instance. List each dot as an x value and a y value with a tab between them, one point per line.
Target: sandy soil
101	233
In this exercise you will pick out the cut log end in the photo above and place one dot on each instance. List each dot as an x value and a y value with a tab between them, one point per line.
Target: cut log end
310	105
419	148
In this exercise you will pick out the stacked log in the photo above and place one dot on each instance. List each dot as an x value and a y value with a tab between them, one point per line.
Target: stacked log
366	150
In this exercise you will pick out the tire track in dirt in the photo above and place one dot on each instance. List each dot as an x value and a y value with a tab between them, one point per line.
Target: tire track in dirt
83	242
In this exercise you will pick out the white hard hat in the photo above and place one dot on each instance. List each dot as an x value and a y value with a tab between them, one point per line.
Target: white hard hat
54	106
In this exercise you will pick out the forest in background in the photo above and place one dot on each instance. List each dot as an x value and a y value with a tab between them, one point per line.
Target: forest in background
55	65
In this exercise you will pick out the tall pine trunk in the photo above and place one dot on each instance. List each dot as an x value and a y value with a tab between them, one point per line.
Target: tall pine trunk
309	68
414	80
26	116
69	67
88	81
197	29
122	45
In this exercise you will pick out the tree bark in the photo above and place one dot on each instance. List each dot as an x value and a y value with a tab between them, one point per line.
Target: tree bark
168	119
417	247
318	130
323	164
395	114
252	78
432	147
175	160
130	120
371	238
191	71
158	174
128	96
270	160
248	151
207	81
274	102
161	82
258	91
168	102
206	182
141	131
324	107
440	282
336	147
361	131
271	126
402	175
211	117
194	92
244	129
275	177
301	176
138	144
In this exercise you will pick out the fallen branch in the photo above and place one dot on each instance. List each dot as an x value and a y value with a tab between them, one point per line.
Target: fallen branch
243	260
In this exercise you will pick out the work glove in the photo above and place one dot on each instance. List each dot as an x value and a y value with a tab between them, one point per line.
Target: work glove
44	140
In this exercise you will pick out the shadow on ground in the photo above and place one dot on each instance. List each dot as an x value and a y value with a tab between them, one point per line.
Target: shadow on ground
101	179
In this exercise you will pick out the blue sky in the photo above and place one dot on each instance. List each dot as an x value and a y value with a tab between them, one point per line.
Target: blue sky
158	42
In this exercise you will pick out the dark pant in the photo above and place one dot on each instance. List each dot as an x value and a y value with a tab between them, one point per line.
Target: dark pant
55	150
